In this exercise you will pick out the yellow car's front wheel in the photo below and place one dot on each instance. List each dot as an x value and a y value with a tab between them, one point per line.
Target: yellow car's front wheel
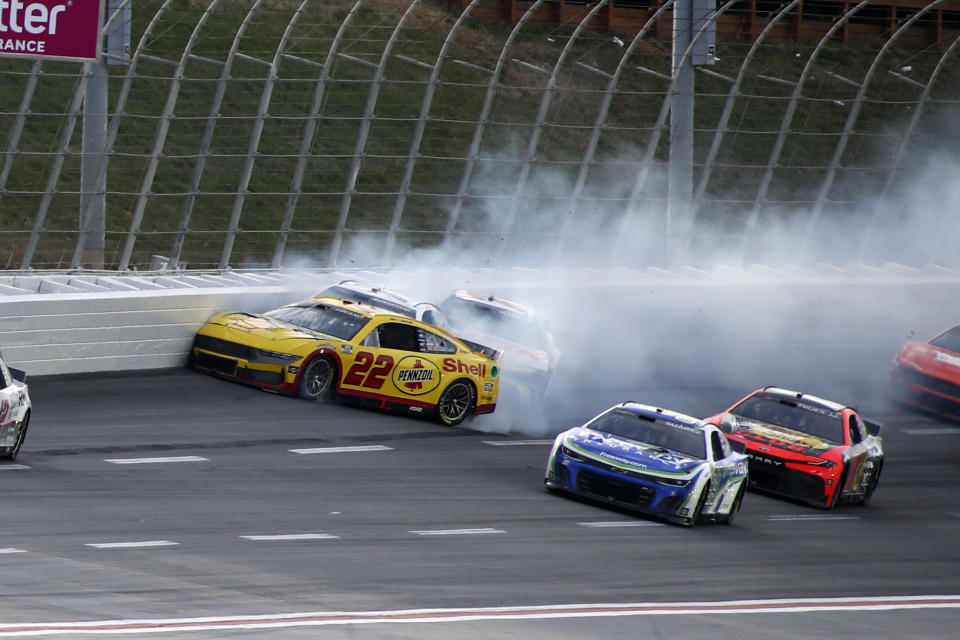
456	402
318	379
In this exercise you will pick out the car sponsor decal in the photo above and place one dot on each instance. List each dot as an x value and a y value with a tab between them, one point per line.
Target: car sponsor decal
415	376
456	365
779	439
949	359
632	465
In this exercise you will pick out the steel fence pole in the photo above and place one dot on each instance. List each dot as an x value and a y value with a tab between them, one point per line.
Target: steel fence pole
207	140
656	133
841	147
306	142
534	141
599	122
723	124
424	115
785	124
66	133
361	144
917	112
13	142
255	135
160	137
466	176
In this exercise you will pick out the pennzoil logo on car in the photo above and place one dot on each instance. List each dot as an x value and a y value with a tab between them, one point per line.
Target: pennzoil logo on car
415	375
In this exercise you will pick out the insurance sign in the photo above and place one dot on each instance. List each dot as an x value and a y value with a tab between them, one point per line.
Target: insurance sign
63	29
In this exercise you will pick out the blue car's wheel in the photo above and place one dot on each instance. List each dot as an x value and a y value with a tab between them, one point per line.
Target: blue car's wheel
698	510
735	507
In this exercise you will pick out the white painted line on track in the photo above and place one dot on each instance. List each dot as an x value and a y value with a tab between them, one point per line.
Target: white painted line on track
457	532
11	550
619	523
516	443
11	467
794	518
372	447
132	545
219	624
293	536
933	431
156	460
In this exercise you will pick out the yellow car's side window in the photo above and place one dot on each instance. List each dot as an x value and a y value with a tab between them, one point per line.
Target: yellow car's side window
372	339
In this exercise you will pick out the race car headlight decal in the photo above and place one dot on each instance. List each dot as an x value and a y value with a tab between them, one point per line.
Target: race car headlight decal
674	482
570	453
820	462
274	357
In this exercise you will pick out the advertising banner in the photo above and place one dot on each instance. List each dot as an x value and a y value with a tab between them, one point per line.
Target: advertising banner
61	29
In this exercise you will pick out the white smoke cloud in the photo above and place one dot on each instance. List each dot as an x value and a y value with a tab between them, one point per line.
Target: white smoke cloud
668	338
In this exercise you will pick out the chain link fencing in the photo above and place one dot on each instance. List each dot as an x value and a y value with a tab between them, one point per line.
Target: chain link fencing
249	134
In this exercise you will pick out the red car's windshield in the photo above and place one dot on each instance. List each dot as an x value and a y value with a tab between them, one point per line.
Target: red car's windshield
793	414
949	339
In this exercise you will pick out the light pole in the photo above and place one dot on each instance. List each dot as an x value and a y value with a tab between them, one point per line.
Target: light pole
694	39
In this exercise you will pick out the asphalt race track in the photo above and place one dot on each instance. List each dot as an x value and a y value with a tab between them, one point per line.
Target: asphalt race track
183	506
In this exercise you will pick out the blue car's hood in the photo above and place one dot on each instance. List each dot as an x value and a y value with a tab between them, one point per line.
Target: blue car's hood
627	454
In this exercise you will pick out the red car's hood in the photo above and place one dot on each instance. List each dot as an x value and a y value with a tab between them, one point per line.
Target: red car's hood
931	360
756	435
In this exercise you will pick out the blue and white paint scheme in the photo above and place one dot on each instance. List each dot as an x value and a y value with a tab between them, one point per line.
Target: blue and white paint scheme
652	460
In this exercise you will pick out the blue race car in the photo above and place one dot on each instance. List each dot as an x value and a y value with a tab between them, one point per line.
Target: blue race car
652	460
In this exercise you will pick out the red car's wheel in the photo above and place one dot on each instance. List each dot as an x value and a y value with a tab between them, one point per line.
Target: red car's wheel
865	500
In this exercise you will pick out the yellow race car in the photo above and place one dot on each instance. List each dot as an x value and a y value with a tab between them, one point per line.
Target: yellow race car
326	346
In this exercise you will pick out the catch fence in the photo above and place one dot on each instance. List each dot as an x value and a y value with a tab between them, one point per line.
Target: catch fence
247	133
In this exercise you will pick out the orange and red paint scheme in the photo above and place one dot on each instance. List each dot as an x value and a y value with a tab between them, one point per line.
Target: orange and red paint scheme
926	375
805	448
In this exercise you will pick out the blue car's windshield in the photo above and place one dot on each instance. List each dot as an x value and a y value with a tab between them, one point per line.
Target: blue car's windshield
659	432
331	321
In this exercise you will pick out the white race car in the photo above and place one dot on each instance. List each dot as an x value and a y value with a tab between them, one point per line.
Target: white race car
530	354
14	410
387	300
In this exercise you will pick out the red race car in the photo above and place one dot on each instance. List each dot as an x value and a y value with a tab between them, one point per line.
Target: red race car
804	447
926	375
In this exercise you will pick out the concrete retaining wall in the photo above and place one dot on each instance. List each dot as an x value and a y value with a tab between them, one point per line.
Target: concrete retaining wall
805	329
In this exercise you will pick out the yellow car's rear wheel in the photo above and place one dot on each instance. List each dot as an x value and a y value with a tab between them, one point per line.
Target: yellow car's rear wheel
456	402
318	379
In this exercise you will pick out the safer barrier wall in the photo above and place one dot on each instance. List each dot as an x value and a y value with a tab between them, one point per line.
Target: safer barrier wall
830	329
